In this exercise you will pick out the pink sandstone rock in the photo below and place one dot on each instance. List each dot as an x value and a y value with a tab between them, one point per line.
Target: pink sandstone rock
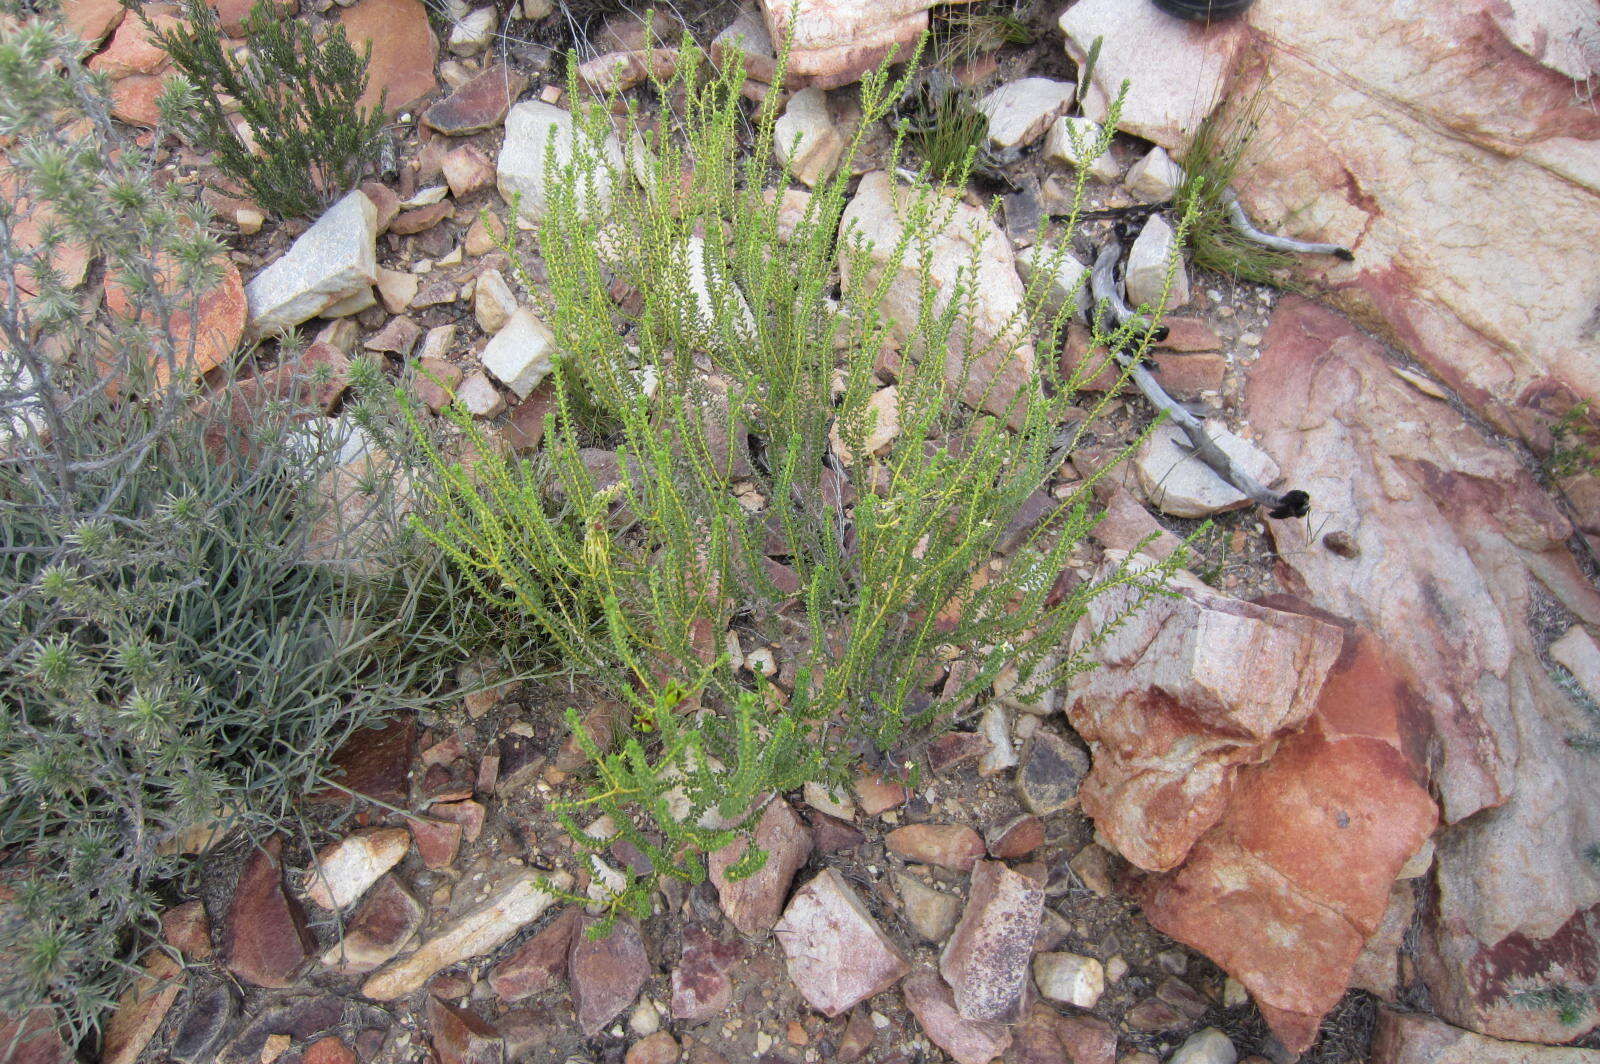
1285	890
1448	536
1189	690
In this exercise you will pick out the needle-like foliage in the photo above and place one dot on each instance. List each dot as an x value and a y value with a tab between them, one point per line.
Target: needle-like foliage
306	139
712	479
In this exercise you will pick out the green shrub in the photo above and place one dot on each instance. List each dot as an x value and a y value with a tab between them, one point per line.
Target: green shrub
297	88
892	614
1219	150
171	656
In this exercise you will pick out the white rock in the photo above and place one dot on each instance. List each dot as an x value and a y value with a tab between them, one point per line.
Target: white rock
343	871
1072	140
703	276
333	261
427	197
1148	262
1155	177
520	354
1179	484
1577	653
530	127
645	1019
479	397
818	798
1209	1046
493	302
882	414
1019	111
806	139
1069	979
355	303
473	33
989	353
1061	283
995	726
477	932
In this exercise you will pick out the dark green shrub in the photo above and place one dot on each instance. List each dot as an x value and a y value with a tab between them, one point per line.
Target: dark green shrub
296	88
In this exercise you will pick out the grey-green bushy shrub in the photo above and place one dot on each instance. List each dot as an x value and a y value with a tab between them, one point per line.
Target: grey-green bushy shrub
181	642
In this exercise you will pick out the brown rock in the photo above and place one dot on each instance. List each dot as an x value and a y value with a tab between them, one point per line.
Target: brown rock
1445	524
329	1050
92	20
385	199
1193	687
524	430
380	927
467	170
375	762
1128	526
1186	333
435	382
859	1036
1017	837
701	988
967	1041
953	749
404	50
217	319
466	814
231	13
187	929
754	903
952	846
140	1010
461	1036
658	1048
540	962
135	99
837	955
1050	773
133	50
265	940
607	975
986	960
1046	1037
419	219
878	795
479	104
437	841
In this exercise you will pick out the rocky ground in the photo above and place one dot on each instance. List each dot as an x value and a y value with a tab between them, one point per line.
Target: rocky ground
1321	805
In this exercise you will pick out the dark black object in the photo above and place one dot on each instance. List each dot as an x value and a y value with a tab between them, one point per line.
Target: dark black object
1207	11
1294	503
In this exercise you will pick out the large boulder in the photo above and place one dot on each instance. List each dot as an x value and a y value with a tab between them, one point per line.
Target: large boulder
1412	1038
970	259
1449	144
1188	690
1449	552
1287	888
